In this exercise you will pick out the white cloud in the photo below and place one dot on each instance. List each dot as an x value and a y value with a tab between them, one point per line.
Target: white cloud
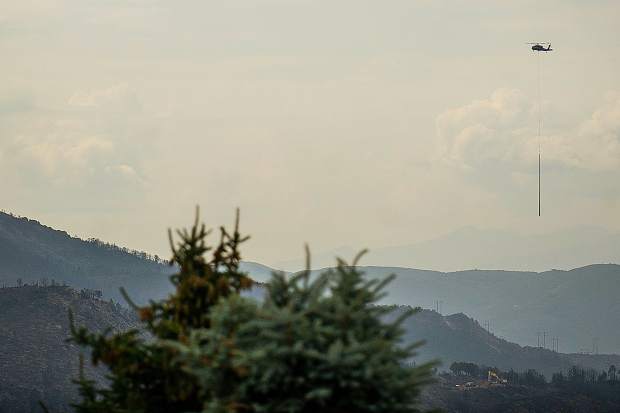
123	173
57	153
493	129
597	143
116	98
502	129
83	141
121	169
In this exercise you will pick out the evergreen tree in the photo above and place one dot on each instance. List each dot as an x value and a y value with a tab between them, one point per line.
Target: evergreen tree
315	343
558	379
612	373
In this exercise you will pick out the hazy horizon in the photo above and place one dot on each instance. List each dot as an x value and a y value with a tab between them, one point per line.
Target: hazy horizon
476	250
352	124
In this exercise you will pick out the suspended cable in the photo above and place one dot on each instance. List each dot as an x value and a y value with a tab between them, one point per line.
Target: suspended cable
539	48
539	127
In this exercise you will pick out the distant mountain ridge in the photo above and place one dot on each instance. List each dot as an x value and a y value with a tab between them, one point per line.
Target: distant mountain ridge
579	306
31	251
471	248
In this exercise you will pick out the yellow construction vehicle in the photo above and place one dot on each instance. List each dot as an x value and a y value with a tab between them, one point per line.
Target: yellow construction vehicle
493	378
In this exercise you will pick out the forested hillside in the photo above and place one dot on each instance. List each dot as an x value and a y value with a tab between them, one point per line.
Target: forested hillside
30	251
580	307
458	337
36	361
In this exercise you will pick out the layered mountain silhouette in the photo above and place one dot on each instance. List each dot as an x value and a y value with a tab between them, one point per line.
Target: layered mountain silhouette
580	307
469	248
38	364
458	337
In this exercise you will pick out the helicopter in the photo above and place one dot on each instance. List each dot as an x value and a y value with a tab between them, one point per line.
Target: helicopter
539	47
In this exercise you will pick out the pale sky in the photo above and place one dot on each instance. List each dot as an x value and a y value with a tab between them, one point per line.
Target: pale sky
337	123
